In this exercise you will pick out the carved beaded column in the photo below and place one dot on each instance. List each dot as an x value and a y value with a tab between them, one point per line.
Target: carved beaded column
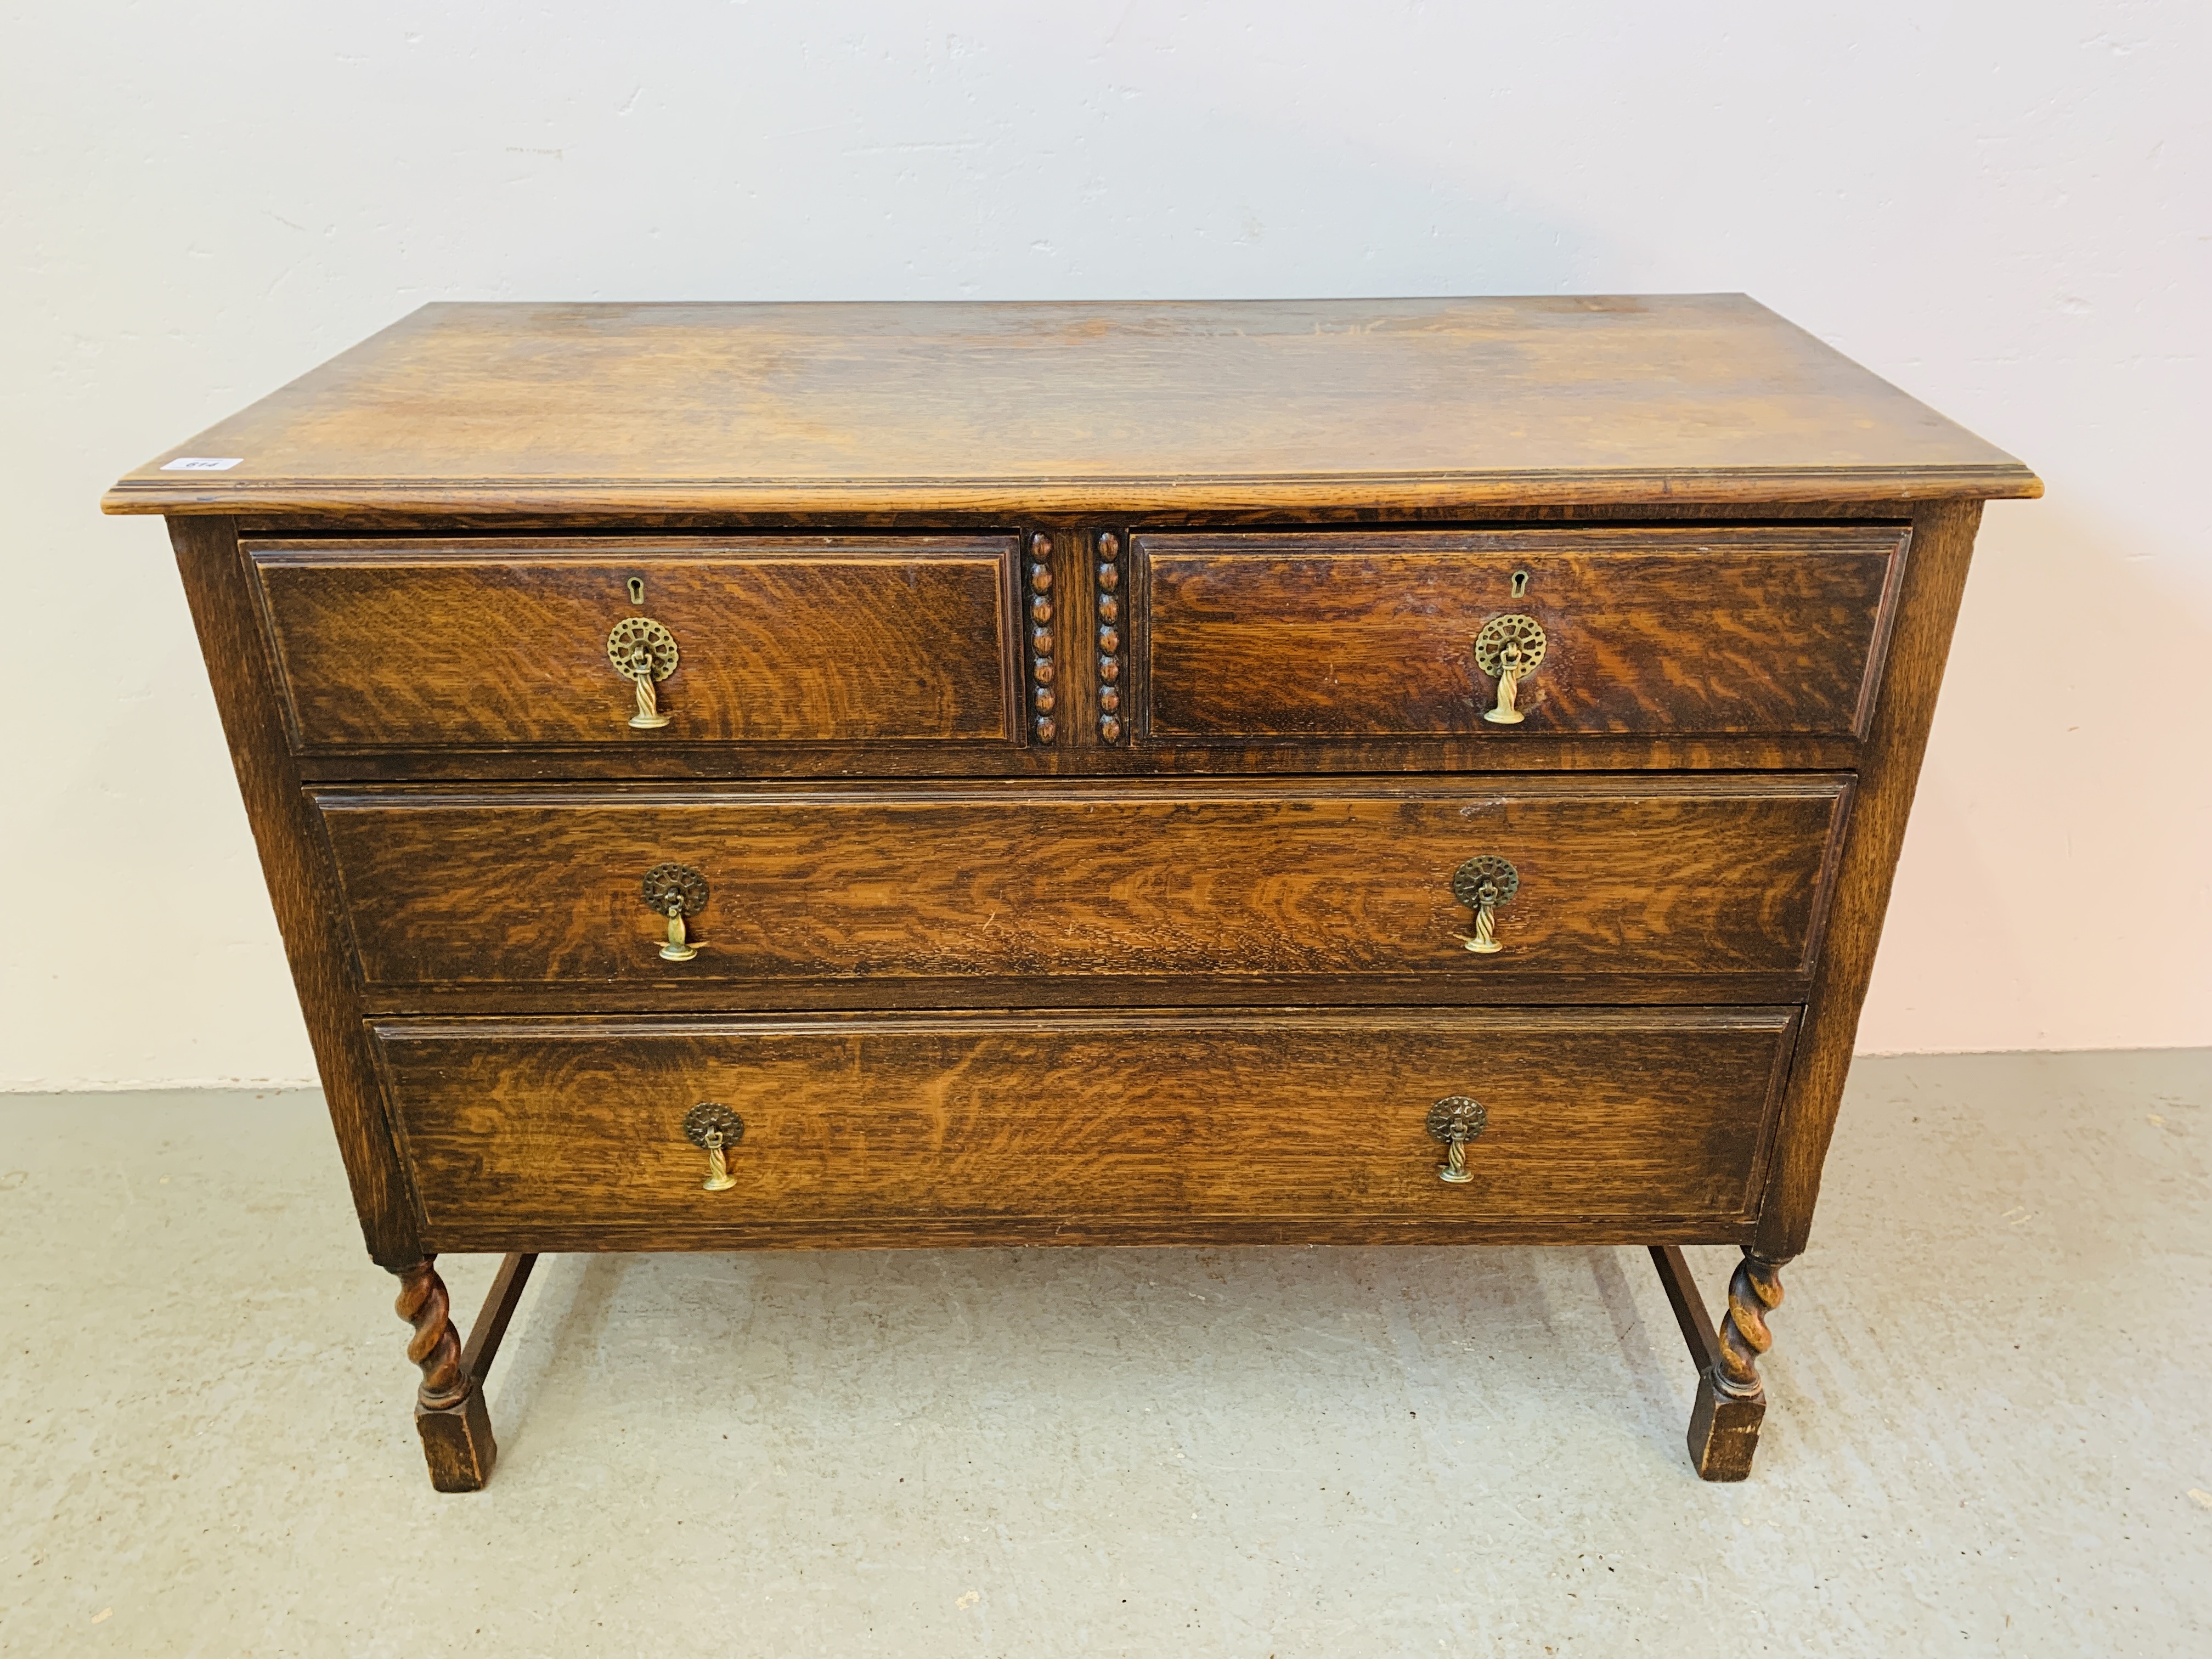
1731	1400
449	1408
1043	698
1108	606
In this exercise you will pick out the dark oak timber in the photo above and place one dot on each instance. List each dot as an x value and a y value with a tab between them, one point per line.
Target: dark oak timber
497	1313
1684	632
1935	580
468	643
302	886
1040	822
1634	877
1282	405
450	1413
1626	1118
1731	1405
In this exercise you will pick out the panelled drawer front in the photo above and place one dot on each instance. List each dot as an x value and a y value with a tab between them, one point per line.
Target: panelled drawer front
537	1133
480	643
1356	635
1684	876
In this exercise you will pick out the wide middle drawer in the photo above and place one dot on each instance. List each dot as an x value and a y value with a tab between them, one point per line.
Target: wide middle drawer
567	889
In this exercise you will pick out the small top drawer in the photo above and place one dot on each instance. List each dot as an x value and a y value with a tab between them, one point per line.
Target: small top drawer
1414	633
486	642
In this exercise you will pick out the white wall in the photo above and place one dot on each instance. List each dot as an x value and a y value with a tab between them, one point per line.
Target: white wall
2006	208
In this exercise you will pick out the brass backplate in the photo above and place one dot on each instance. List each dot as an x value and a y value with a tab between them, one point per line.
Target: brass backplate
708	1117
636	645
1501	632
1456	1120
1471	877
664	882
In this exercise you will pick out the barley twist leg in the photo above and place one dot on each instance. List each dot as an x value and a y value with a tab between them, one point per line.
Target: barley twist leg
449	1406
1755	1291
435	1346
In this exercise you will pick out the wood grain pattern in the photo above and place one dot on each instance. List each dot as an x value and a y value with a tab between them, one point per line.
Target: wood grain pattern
1657	1116
1344	509
303	888
1489	987
676	761
486	642
1627	875
1365	634
1935	582
1075	408
576	1234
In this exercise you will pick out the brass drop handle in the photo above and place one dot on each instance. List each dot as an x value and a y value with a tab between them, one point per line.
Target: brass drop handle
1508	650
714	1128
1455	1120
1484	885
643	652
675	890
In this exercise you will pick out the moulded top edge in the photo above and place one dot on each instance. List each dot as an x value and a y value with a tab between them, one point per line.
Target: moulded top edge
493	498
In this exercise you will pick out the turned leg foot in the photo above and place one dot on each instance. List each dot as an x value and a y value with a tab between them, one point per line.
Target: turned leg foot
449	1405
1731	1401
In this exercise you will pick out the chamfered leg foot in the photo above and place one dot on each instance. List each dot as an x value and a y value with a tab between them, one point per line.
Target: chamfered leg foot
449	1408
1723	1432
457	1442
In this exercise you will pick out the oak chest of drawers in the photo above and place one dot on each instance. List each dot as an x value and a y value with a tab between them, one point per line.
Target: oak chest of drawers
764	776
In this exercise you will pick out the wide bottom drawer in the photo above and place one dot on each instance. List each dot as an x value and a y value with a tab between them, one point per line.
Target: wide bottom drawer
1644	1125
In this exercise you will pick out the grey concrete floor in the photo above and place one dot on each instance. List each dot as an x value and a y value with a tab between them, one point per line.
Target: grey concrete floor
1990	1430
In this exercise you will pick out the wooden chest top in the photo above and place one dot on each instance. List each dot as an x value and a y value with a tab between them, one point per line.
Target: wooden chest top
1284	405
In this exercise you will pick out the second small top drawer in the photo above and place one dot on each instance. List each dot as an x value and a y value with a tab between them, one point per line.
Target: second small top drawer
489	642
1662	632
